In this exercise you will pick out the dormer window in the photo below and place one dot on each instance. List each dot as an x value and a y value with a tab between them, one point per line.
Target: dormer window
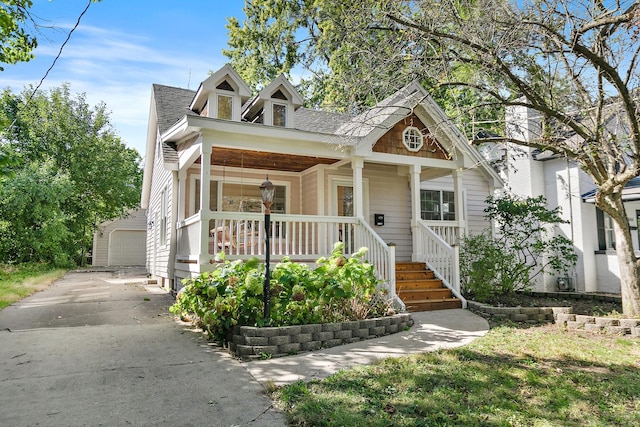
225	107
412	138
279	115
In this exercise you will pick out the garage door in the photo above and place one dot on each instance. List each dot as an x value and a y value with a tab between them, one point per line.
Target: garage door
127	247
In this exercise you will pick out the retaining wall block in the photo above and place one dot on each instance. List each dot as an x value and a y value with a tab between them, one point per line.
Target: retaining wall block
256	341
290	348
378	331
384	321
238	339
351	326
546	310
572	324
635	332
331	327
280	340
248	331
361	333
565	317
630	323
517	317
392	329
530	310
265	349
580	318
607	321
322	336
301	338
617	330
367	323
310	329
343	335
290	330
562	310
267	332
244	350
592	327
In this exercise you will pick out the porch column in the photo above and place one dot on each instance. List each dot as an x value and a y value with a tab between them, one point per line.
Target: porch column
414	185
459	201
182	195
205	213
357	164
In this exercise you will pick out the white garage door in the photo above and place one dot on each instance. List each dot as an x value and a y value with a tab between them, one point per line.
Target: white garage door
127	247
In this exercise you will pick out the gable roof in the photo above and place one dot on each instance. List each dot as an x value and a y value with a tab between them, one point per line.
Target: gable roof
172	103
630	192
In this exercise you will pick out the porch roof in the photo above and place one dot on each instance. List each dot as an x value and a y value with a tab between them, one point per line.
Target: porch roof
631	192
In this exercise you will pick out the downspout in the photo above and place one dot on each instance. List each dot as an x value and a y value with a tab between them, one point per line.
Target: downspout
173	234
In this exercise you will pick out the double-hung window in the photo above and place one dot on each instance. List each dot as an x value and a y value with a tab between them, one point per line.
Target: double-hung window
437	205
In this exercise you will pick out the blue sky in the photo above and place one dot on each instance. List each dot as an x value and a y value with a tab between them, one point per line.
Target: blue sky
122	47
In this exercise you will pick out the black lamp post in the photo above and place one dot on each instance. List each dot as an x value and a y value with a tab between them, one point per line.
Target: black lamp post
267	190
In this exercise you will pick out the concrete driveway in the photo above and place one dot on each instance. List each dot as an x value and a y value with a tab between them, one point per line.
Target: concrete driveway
100	348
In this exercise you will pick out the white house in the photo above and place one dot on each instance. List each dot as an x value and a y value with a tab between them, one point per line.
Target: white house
398	173
529	172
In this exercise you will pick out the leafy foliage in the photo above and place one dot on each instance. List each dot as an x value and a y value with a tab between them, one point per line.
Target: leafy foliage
92	175
522	249
338	289
16	44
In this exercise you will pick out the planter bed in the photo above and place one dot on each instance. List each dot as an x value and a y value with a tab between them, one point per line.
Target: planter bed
251	343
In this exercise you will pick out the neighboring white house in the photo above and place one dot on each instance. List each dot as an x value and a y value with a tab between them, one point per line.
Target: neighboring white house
122	241
399	172
529	172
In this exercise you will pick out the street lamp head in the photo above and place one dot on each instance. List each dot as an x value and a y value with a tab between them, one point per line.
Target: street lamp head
267	189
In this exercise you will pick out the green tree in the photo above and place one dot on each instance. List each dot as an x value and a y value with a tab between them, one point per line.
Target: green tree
61	129
576	63
16	45
33	224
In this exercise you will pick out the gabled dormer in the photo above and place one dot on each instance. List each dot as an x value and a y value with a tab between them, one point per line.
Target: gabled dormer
221	95
274	105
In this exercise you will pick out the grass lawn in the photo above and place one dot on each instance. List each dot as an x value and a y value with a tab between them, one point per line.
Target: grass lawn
19	281
538	376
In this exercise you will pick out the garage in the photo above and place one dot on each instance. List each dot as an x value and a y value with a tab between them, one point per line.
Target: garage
127	247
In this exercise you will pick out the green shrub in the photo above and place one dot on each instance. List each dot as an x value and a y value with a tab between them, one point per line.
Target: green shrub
339	289
494	265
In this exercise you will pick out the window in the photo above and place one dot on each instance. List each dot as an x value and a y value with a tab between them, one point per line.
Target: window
437	205
247	198
163	216
213	195
606	235
412	138
279	115
225	107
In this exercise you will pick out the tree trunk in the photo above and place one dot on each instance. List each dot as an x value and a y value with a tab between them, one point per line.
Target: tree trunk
627	261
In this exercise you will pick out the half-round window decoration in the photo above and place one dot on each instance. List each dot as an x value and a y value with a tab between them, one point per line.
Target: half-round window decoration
412	138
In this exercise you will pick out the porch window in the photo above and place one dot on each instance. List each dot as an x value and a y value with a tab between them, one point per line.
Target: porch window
279	115
213	196
437	205
247	198
225	107
606	235
412	138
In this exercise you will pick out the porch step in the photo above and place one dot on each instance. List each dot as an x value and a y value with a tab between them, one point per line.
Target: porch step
418	288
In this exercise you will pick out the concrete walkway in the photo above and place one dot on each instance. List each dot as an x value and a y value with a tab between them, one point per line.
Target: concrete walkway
432	330
101	348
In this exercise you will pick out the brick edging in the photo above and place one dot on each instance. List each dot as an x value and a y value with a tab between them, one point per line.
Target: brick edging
562	316
250	343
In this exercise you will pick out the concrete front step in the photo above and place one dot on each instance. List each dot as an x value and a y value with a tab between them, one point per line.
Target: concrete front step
428	305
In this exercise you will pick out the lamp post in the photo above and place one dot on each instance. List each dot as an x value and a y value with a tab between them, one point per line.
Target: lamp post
267	190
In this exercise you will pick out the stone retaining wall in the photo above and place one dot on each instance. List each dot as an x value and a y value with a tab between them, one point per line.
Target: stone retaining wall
251	343
562	316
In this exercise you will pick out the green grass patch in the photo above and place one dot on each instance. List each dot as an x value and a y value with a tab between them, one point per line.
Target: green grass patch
22	280
542	376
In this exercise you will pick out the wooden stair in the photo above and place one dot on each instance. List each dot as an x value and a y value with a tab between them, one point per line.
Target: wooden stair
420	290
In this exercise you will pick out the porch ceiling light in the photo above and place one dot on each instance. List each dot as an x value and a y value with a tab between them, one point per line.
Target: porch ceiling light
267	189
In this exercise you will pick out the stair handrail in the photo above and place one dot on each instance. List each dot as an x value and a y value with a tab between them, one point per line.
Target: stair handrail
382	256
443	259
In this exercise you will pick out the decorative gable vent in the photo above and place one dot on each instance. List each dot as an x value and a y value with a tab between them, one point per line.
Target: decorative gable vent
225	85
412	138
279	95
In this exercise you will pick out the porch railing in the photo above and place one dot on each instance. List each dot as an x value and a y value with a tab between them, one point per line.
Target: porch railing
441	257
304	238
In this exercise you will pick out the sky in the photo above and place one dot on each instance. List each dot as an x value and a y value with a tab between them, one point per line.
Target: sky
121	48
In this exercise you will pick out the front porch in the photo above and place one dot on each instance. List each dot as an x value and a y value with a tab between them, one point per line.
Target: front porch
305	238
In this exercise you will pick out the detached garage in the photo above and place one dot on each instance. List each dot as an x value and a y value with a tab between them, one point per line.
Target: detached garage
121	241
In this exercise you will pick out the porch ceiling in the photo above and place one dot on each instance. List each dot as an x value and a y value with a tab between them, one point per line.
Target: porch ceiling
264	160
